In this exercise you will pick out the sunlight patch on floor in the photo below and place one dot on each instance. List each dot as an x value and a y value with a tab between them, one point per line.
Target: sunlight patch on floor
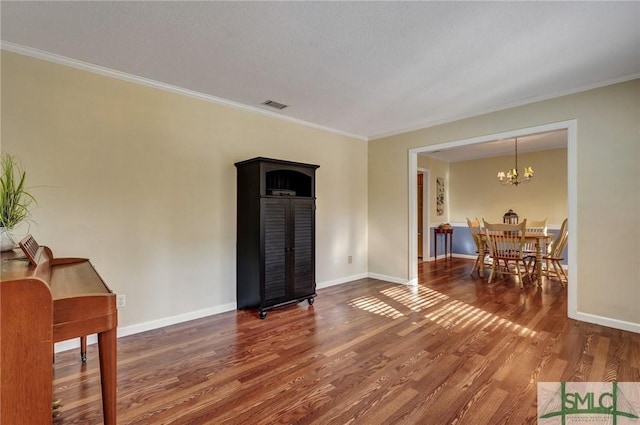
415	299
451	313
375	305
457	313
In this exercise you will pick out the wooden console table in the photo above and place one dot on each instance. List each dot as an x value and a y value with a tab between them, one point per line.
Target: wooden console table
448	241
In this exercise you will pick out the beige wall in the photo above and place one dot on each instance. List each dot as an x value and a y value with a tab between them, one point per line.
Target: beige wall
472	189
607	191
476	192
142	182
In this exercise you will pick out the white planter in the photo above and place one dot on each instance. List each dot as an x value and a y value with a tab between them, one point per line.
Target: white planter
6	242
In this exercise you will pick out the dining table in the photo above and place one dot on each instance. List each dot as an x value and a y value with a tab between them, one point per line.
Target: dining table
540	241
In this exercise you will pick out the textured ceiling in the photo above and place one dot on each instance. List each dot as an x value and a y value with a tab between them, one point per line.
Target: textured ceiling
362	68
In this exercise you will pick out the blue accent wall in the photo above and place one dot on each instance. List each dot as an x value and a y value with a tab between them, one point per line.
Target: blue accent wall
463	242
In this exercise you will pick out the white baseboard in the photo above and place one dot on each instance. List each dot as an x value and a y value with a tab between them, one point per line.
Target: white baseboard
605	321
454	255
328	283
73	343
150	325
174	320
467	256
391	279
473	257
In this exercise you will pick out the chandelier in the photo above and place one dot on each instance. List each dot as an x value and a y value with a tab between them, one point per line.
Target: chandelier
513	176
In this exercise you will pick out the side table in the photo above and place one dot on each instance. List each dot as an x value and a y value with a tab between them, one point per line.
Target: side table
448	241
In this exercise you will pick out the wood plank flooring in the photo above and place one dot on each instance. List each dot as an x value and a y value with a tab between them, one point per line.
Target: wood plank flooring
452	350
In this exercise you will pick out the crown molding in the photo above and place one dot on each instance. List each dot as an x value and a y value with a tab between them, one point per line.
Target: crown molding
528	101
107	72
63	60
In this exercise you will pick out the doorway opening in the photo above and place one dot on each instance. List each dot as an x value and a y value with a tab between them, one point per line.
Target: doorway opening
571	127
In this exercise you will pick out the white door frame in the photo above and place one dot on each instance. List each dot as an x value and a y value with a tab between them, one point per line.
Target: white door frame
426	205
572	178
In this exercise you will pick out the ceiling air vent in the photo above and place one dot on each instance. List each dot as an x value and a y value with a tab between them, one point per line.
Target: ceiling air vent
274	104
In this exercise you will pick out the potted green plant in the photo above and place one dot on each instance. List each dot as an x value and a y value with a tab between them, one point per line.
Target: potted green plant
15	200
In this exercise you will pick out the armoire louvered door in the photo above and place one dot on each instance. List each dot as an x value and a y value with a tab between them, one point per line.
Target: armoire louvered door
276	235
288	248
303	253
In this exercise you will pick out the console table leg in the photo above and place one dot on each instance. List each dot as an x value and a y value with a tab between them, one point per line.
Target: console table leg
435	246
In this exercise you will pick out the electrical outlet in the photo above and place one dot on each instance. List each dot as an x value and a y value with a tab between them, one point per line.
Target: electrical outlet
121	300
350	259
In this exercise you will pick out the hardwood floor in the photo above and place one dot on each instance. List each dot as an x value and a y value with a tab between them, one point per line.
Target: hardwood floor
453	350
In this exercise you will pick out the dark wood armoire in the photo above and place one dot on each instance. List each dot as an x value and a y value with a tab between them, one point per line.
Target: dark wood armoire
275	233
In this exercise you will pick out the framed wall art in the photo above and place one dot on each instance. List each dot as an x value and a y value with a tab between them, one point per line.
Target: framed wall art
440	195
